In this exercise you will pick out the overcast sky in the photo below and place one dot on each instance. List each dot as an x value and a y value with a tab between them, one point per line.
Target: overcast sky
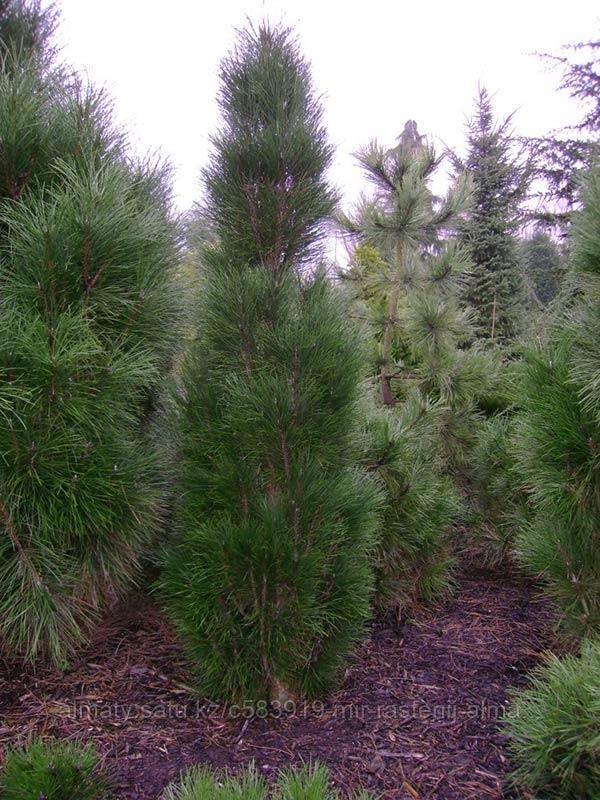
376	64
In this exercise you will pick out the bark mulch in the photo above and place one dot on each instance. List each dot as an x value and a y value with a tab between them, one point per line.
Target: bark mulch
416	718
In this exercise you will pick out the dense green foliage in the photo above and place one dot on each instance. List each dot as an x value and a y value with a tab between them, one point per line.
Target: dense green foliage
406	275
88	321
53	770
307	783
410	287
270	583
498	494
321	468
553	728
413	559
494	288
559	435
542	266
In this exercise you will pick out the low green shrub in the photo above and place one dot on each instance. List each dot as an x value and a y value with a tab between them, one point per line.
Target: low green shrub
413	559
554	729
53	770
499	498
307	783
200	783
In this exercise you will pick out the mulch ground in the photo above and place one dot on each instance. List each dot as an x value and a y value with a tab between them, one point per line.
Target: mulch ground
416	718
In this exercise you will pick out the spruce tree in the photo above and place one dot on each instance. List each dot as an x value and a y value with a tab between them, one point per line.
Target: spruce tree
500	177
87	317
270	583
559	438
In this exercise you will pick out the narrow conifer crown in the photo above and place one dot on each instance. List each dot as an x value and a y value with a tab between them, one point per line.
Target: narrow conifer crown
267	193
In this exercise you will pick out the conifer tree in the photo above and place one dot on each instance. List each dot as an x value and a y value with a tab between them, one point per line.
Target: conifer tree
500	177
413	559
406	272
542	267
270	583
559	439
565	155
412	291
87	318
406	223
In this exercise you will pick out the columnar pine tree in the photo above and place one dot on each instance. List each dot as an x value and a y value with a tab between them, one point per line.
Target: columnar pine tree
500	179
270	583
559	439
86	327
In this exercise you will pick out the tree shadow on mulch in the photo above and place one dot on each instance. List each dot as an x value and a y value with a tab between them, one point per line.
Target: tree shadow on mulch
416	718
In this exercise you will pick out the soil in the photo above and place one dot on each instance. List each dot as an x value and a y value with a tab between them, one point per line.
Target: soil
416	717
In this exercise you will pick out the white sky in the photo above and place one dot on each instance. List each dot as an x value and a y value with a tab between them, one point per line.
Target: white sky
377	64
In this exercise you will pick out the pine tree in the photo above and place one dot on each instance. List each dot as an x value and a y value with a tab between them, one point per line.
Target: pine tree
406	273
270	583
500	179
413	559
559	439
412	291
406	224
87	320
26	30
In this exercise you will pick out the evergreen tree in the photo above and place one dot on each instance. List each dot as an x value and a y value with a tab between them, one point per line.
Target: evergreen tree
542	267
413	560
411	292
559	438
270	583
500	179
406	224
87	319
26	30
565	155
406	272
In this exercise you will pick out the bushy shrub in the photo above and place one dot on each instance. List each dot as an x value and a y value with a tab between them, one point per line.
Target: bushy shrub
498	494
270	584
307	783
53	770
554	728
413	559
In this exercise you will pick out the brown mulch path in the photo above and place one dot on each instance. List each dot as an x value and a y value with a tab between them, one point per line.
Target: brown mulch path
416	718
